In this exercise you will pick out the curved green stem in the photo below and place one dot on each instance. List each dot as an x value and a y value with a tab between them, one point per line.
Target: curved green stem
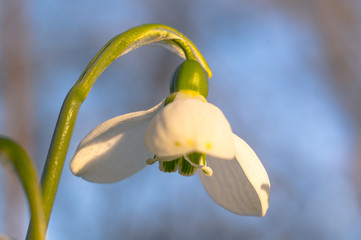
116	47
17	158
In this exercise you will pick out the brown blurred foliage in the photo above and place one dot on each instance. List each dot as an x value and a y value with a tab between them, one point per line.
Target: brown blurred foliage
16	95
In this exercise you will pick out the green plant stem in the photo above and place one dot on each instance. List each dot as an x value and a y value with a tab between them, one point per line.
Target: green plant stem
20	161
58	150
116	47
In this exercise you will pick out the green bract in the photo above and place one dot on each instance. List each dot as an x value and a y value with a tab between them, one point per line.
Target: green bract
190	76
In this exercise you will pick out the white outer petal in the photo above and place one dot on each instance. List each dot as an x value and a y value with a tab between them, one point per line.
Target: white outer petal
190	125
241	185
114	150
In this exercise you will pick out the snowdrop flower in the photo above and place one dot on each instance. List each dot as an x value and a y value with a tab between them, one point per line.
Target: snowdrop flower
184	133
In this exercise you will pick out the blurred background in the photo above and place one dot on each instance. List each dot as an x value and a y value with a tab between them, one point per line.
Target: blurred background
286	75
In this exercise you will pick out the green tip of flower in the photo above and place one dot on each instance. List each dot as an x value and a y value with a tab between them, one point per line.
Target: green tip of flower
197	158
190	76
187	165
186	169
169	166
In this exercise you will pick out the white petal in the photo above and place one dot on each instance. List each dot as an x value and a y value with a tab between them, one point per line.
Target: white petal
190	125
114	150
241	185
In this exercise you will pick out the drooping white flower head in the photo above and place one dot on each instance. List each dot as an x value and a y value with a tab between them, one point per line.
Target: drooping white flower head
185	134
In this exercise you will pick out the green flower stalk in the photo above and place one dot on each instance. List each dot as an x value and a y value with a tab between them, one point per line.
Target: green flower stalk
116	47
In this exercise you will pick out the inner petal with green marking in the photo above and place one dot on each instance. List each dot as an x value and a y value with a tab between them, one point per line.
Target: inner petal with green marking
186	165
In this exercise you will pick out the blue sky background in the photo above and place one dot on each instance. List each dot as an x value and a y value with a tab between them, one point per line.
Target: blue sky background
269	80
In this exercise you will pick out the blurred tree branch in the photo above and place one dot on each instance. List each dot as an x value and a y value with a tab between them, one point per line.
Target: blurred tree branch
15	76
338	24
